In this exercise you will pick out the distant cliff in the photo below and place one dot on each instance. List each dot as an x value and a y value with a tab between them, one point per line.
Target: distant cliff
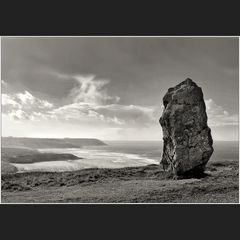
37	143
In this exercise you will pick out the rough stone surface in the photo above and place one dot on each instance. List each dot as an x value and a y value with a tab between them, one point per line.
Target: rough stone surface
186	135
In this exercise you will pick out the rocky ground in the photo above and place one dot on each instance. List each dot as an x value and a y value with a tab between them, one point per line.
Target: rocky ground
126	185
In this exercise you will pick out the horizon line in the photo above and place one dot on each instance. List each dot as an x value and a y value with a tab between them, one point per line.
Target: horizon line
134	140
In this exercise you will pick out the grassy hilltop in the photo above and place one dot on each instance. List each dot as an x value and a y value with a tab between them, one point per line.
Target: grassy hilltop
130	185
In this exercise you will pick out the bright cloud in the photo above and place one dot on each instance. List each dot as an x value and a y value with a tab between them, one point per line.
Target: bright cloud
4	83
90	90
218	116
91	110
91	103
23	106
116	114
8	100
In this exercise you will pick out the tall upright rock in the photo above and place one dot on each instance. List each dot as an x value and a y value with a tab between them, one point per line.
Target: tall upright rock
186	135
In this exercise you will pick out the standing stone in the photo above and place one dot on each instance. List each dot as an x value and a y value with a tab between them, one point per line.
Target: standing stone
186	135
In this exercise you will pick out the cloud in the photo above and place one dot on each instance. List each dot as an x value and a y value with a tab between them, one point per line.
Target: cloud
26	99
90	103
4	83
8	100
218	116
90	90
113	114
18	114
89	109
130	114
23	106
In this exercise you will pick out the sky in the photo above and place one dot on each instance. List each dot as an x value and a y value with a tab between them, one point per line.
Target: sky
111	88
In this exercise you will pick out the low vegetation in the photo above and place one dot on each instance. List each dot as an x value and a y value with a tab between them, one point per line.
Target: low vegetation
133	184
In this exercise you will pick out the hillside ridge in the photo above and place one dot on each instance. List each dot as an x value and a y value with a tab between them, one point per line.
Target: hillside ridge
50	142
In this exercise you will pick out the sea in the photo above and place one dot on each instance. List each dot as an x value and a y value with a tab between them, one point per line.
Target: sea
118	154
